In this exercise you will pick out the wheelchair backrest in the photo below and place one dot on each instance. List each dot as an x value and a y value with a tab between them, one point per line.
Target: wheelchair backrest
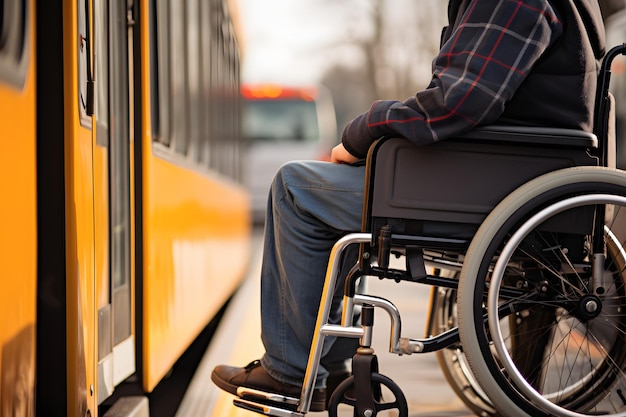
448	188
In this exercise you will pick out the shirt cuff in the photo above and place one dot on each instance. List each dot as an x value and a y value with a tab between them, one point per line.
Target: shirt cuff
356	137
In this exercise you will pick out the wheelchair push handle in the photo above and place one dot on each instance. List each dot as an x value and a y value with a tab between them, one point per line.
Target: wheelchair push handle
601	128
601	122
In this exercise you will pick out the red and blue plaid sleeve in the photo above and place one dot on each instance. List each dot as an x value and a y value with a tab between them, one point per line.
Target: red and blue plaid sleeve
475	73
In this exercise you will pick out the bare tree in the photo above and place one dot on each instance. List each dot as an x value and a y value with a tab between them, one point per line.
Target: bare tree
403	39
396	42
411	37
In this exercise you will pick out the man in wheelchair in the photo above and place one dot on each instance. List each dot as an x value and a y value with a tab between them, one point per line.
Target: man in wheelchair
510	62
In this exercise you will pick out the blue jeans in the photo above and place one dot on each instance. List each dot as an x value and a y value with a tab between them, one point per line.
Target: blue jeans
311	205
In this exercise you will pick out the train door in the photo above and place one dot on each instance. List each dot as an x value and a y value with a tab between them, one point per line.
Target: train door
114	294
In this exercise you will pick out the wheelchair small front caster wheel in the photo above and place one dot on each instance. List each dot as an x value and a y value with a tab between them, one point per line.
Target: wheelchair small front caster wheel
344	397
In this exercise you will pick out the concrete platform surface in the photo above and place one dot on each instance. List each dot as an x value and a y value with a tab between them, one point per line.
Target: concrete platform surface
237	342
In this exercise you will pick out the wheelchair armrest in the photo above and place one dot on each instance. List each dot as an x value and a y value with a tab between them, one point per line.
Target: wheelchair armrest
532	135
453	184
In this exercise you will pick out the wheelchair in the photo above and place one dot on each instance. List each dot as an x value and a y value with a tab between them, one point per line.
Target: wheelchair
520	232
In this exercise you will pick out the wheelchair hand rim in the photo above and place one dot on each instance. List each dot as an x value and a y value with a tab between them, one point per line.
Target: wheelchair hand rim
496	281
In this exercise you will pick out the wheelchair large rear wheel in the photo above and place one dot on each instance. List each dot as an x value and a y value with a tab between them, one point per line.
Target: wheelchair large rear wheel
541	323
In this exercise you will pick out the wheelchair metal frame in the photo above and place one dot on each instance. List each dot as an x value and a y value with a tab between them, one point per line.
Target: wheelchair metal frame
427	247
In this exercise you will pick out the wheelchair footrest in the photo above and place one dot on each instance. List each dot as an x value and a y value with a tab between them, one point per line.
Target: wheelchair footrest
263	397
265	409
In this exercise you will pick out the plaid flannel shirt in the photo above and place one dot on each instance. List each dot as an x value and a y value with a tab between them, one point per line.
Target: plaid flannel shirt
477	70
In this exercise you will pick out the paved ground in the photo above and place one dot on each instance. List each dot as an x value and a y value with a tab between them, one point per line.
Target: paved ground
237	342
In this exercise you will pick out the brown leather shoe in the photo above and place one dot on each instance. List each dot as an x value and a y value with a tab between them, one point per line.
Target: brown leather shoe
229	378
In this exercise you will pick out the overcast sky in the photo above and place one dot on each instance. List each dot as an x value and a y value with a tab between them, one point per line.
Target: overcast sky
295	41
285	39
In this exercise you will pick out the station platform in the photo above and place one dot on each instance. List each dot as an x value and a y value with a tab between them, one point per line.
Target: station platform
237	341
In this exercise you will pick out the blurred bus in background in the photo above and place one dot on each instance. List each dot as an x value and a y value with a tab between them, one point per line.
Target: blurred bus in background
281	124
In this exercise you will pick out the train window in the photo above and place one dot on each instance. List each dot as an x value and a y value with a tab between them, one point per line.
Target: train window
178	73
213	116
194	84
101	24
206	42
217	74
1	22
13	42
112	111
101	45
119	169
84	64
161	103
195	95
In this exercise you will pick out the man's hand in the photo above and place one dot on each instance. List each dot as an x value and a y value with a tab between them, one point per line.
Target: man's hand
340	155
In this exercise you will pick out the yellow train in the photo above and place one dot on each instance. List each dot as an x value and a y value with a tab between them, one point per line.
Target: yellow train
123	226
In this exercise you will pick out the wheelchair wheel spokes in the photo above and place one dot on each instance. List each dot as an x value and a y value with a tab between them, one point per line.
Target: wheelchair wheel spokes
567	363
558	345
577	349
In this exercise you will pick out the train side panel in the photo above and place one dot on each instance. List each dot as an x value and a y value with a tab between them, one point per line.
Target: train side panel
196	251
18	243
195	220
118	246
80	221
